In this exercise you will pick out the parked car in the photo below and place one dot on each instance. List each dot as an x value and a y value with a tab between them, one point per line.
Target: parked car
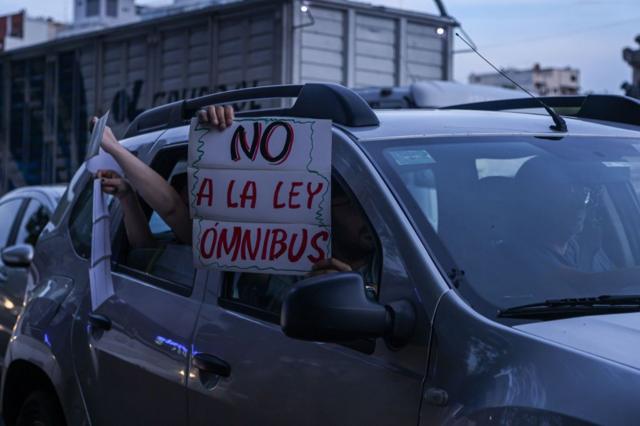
506	261
433	94
24	213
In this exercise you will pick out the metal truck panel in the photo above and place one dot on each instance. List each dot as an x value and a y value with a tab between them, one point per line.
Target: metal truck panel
322	52
134	67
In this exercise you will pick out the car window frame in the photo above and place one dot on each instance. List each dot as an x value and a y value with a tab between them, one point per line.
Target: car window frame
25	207
120	246
253	311
13	232
85	186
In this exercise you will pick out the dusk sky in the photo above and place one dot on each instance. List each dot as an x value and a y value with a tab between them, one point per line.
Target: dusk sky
586	34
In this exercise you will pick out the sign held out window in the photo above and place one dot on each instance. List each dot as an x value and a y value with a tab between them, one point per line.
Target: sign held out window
260	194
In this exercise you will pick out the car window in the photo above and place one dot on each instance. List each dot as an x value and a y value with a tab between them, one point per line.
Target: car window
81	222
263	294
167	263
8	213
519	220
33	222
68	196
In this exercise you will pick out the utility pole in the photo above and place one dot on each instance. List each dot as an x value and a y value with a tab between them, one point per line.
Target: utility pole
632	57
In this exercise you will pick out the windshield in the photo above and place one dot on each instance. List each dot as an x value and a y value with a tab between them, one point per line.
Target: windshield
523	219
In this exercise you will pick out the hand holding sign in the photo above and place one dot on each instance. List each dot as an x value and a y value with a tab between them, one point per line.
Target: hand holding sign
260	194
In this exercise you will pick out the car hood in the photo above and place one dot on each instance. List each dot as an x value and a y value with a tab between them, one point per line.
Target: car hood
615	337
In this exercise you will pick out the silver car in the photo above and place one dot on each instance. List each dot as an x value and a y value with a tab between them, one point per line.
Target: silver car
24	213
502	285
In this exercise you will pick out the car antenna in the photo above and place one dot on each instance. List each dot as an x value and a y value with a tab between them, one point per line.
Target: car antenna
559	124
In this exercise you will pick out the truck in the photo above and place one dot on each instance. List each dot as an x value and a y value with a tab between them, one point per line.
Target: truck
49	91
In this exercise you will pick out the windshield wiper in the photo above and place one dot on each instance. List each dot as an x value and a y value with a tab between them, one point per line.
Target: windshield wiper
574	307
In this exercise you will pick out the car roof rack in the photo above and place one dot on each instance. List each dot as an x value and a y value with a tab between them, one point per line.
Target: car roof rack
314	100
611	108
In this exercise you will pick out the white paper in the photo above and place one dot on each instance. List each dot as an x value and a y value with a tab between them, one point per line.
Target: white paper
100	272
260	194
100	279
103	161
259	247
311	149
101	284
96	136
267	196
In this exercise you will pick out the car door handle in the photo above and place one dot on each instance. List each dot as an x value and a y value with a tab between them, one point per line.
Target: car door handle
211	364
98	321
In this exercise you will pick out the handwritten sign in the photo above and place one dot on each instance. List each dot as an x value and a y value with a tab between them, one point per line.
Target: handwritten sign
260	194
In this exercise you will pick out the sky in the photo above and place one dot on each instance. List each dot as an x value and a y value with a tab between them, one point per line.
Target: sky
585	34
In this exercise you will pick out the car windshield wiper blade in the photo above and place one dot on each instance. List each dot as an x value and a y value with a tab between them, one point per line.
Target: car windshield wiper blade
574	307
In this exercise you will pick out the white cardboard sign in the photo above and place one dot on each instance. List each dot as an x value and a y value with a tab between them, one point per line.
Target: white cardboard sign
260	194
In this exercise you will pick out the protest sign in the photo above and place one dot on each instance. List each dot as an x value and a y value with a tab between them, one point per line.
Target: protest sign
260	194
100	271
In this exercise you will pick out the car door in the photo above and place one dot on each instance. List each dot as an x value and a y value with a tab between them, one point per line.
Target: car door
132	359
19	280
276	380
10	214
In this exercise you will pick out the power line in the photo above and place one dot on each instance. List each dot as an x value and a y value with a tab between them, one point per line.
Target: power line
557	35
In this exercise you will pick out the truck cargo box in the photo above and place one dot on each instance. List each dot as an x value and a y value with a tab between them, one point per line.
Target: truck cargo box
50	90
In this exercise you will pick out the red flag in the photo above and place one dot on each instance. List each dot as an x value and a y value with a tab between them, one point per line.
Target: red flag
17	25
3	26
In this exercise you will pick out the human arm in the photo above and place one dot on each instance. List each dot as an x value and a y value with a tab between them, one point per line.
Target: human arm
135	221
152	187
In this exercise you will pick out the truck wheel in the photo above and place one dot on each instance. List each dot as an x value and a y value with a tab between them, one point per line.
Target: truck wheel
40	409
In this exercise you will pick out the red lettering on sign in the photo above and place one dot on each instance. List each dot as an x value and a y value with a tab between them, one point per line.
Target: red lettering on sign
248	194
229	247
261	142
265	245
293	255
205	191
279	236
313	192
240	139
276	196
235	243
250	251
282	156
230	203
324	236
209	233
293	194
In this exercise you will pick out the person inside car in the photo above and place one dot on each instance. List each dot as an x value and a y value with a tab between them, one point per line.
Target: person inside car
353	243
171	202
554	205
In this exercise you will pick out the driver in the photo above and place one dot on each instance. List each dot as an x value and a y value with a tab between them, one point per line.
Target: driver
550	217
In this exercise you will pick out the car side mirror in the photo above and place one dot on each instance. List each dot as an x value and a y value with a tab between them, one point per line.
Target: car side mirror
18	256
335	308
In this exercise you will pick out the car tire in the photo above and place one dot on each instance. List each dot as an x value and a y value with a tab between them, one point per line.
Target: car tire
40	409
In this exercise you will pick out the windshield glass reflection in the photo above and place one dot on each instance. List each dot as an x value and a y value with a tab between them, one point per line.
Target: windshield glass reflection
526	219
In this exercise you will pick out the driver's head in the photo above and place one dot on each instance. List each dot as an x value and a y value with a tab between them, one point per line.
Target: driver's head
353	239
552	202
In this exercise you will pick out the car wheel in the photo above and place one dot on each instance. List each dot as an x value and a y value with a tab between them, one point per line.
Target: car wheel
40	409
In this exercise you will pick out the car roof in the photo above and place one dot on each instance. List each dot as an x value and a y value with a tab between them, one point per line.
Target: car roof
410	123
413	123
52	192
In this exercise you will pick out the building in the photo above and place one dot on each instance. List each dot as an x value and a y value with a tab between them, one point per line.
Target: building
19	30
95	14
542	81
632	57
50	90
